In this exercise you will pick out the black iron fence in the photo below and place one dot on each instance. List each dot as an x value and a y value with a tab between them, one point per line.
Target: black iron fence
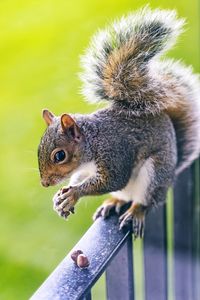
111	250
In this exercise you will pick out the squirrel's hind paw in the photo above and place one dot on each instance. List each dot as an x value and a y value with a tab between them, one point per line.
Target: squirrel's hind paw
138	227
108	205
135	214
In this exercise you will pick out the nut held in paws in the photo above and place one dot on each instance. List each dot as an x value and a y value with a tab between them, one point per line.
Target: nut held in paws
82	261
75	255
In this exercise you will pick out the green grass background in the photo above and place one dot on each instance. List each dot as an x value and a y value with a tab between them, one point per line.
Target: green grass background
40	45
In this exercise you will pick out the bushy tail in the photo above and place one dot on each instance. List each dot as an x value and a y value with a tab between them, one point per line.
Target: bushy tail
116	63
122	66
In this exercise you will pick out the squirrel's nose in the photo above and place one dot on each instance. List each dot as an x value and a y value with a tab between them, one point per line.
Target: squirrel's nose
45	183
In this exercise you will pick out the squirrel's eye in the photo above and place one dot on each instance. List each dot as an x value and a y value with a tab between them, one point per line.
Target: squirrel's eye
59	156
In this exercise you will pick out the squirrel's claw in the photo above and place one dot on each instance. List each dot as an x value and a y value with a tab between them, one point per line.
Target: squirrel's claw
102	211
63	214
125	219
97	214
136	213
138	227
108	205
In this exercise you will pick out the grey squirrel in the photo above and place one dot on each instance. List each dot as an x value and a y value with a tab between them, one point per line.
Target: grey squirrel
148	134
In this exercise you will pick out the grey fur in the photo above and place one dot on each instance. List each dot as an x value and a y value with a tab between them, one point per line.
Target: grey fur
122	142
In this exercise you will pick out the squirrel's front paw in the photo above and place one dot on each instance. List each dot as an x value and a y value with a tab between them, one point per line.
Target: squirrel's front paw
65	200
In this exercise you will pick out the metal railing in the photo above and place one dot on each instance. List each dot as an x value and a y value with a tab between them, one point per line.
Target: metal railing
110	250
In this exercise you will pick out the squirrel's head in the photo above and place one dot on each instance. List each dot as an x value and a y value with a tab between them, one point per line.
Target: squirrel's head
59	150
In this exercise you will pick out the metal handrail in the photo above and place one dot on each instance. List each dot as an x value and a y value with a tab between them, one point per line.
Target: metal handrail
100	244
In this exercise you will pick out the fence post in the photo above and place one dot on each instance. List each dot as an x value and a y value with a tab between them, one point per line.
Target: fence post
183	224
196	231
88	296
155	255
119	274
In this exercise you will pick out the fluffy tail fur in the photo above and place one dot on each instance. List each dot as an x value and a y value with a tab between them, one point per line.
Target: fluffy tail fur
122	65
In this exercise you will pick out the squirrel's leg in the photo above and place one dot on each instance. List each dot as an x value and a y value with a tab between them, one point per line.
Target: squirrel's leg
137	212
107	206
149	189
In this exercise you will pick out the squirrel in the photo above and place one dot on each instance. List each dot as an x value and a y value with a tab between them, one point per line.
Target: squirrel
150	131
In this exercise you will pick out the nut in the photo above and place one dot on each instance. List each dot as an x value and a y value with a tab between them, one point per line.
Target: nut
82	261
64	189
75	255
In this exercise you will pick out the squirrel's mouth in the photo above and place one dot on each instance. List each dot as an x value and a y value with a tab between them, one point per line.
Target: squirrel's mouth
54	180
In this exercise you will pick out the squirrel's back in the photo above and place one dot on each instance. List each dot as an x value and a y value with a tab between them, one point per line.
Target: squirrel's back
123	66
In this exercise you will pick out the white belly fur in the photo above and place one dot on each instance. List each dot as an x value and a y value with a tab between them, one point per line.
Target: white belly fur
83	172
138	184
136	188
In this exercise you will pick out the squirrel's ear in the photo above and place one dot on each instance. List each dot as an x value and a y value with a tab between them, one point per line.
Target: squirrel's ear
48	116
69	125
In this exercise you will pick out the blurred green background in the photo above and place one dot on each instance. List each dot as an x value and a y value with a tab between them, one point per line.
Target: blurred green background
40	45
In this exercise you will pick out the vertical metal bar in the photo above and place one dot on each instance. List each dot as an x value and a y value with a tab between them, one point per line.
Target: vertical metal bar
196	232
183	221
155	255
119	274
88	296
